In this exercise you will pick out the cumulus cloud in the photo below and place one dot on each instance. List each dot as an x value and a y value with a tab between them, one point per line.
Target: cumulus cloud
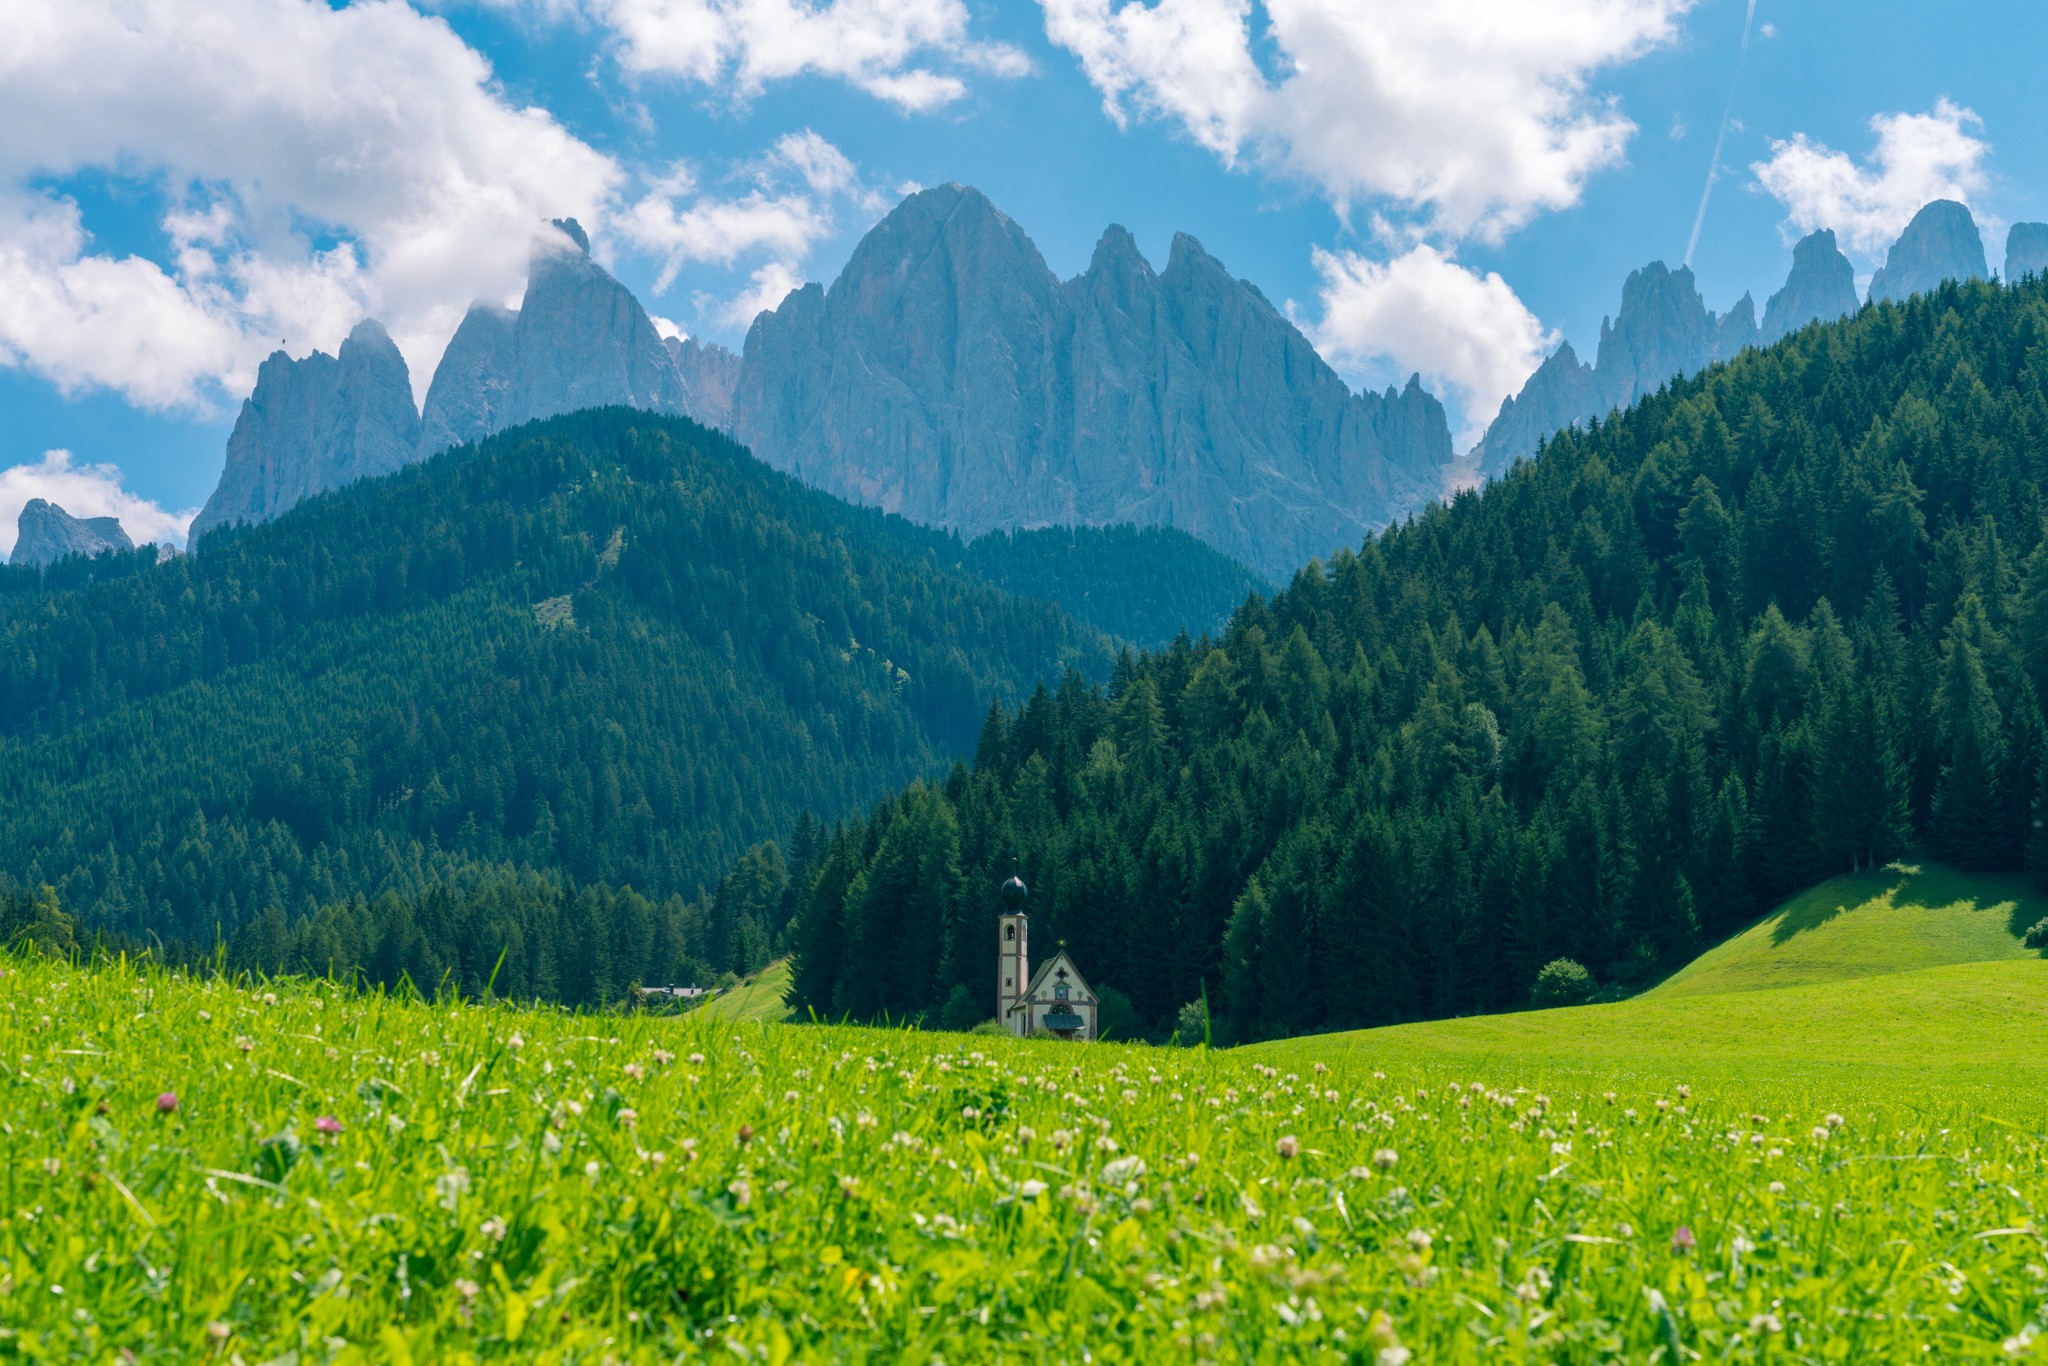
790	205
1466	333
1918	157
913	54
318	163
1474	115
85	491
316	166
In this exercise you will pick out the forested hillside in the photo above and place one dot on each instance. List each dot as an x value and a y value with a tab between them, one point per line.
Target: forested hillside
1141	584
611	647
1777	621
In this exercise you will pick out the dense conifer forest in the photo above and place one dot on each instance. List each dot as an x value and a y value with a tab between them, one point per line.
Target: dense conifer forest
1781	620
1141	584
610	650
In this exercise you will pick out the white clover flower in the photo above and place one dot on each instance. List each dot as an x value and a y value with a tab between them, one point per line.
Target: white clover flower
627	1118
1288	1146
635	1071
1385	1158
1031	1189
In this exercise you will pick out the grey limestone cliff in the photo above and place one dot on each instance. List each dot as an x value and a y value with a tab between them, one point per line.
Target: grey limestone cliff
315	424
467	399
579	339
1821	288
46	533
950	376
2026	251
709	373
1663	330
1941	243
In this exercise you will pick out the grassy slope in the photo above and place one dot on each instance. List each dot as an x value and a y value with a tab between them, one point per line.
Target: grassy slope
758	999
1899	919
1862	979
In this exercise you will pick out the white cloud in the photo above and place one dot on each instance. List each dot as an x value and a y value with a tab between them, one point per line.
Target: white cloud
1918	157
792	204
1464	332
86	491
770	286
908	53
320	164
1473	114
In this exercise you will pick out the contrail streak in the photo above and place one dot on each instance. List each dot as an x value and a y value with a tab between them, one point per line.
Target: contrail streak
1714	167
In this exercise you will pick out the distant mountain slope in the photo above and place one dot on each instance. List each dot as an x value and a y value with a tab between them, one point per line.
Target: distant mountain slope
610	644
1141	584
949	375
1664	331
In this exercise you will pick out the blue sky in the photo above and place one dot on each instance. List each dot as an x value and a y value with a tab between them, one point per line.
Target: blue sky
178	196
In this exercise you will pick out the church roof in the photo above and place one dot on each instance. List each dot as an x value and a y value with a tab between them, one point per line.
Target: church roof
1058	959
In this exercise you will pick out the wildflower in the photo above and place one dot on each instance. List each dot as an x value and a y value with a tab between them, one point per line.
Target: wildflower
1777	1188
1106	1143
657	1159
663	1056
493	1228
244	1042
848	1185
635	1071
218	1331
1288	1146
1032	1189
742	1193
1766	1323
1624	1231
1820	1133
270	998
591	1170
1419	1239
466	1288
627	1118
327	1124
696	1060
1684	1092
1320	1069
1682	1240
515	1043
1025	1134
167	1102
53	1165
1833	1121
1385	1158
206	1017
791	1097
968	1112
745	1135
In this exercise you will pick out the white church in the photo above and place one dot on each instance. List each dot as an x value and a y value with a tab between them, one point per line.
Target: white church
1056	998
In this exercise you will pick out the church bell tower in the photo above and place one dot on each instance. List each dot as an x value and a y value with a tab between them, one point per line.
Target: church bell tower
1013	956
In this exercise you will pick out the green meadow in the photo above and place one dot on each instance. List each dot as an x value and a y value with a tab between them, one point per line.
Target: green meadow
1822	1142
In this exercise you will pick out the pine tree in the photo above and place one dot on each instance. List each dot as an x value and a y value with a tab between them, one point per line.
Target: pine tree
1967	823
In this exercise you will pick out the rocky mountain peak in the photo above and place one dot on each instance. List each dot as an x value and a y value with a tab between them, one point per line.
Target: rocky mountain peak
46	533
1941	243
313	425
2026	251
948	375
573	230
1820	288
